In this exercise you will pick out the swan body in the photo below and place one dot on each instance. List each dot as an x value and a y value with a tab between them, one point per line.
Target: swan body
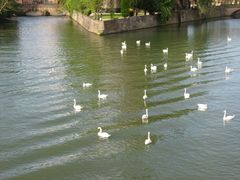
186	95
228	70
52	70
227	118
188	56
193	69
87	84
145	94
145	116
199	63
124	46
229	39
138	42
153	68
148	140
202	107
147	44
165	65
145	69
101	96
76	107
103	134
165	51
121	51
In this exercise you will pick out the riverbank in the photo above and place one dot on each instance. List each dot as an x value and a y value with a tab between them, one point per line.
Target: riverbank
141	22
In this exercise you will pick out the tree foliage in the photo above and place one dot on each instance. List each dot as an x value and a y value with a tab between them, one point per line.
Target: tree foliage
84	6
204	6
162	7
125	5
8	7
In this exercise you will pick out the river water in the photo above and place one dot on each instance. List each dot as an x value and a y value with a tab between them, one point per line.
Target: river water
45	60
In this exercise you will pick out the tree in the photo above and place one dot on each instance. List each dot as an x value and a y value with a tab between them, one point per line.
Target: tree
125	5
95	6
8	7
163	7
204	6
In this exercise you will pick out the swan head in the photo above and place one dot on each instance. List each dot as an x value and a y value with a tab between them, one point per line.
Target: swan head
149	133
99	128
98	91
224	111
74	100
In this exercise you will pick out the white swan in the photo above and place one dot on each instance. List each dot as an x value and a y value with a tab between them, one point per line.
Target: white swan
147	44
145	94
87	84
229	39
145	69
165	51
138	42
76	107
148	140
186	95
165	65
52	70
189	56
103	134
199	63
153	68
124	46
101	96
227	118
228	70
193	69
145	116
202	107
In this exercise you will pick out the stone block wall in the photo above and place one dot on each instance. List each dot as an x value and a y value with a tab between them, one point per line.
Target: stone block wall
94	26
139	22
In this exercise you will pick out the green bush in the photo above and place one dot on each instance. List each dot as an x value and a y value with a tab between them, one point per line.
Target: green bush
87	12
125	8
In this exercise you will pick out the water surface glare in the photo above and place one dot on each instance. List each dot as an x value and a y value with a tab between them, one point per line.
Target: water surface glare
45	60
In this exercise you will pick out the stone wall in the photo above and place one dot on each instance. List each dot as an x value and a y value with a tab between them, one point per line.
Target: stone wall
130	23
53	9
94	26
139	22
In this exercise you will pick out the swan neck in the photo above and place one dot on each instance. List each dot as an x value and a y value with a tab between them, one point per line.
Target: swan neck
149	135
147	112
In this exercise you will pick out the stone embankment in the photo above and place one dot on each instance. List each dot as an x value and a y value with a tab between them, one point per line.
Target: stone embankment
141	22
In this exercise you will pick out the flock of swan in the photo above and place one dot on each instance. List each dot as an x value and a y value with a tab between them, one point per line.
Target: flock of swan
153	68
